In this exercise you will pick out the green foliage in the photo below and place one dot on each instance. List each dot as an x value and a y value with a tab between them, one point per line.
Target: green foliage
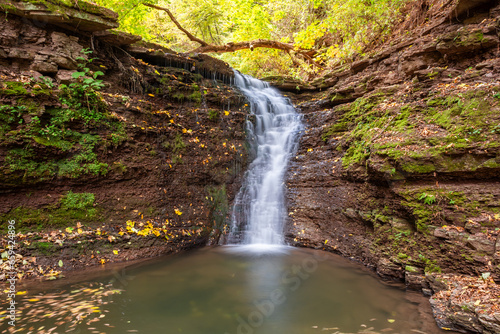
430	265
213	114
82	98
12	114
336	29
77	201
25	125
14	88
427	198
177	147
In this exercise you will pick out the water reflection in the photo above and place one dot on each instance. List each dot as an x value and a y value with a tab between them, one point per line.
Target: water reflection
230	290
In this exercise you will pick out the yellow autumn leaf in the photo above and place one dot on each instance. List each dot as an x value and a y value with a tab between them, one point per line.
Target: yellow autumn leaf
115	252
151	95
21	292
184	131
172	121
102	261
226	112
177	212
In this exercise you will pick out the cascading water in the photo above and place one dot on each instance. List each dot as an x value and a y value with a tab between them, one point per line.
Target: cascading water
273	129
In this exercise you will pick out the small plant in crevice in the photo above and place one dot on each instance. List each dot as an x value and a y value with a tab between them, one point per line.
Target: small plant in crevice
428	199
82	98
213	114
177	147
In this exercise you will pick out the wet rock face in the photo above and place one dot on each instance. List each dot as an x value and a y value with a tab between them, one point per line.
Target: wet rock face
166	141
399	166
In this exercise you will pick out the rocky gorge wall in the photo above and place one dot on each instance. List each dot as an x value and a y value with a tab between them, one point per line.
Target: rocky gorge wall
111	149
399	167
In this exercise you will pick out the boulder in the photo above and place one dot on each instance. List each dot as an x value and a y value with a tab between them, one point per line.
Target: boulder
490	323
64	76
387	269
480	243
64	62
43	67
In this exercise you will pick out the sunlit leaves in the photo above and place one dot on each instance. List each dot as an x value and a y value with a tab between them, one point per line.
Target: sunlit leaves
336	29
306	39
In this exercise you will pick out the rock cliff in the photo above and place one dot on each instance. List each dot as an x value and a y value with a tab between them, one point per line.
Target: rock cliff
399	167
110	148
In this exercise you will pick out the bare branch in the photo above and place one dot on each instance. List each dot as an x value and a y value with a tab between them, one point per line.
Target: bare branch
188	34
231	47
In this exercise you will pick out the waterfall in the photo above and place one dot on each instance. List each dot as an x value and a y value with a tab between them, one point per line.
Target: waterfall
273	128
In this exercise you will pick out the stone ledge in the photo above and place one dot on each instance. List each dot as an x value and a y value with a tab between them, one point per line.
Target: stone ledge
81	16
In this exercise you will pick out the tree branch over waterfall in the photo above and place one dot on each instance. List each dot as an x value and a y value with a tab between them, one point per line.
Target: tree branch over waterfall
232	47
172	17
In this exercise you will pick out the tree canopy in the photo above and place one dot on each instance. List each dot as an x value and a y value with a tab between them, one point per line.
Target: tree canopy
307	35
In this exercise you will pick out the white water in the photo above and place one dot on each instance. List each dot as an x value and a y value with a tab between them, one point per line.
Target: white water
273	130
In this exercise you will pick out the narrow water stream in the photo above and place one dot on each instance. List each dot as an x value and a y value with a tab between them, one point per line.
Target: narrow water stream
273	132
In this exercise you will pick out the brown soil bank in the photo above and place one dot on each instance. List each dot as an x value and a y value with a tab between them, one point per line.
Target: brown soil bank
104	157
399	167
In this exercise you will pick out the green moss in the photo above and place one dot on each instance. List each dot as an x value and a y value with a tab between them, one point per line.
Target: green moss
401	122
77	200
341	97
334	129
44	248
177	147
56	215
412	269
179	96
418	168
218	206
195	97
13	88
213	114
491	163
60	144
355	154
